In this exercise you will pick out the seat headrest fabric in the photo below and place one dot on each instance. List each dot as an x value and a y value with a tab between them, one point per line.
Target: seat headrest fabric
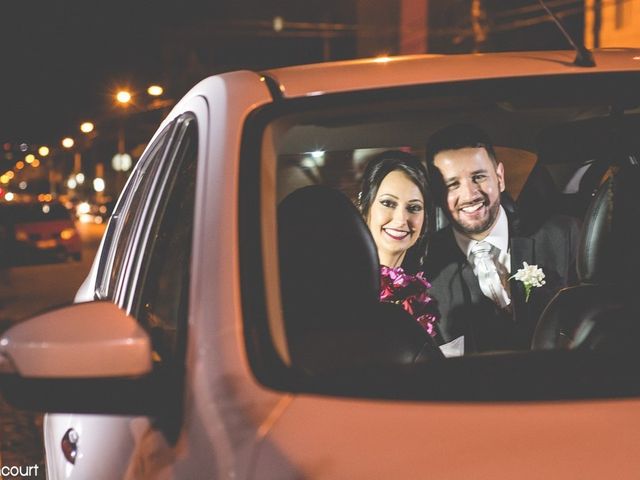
328	259
608	251
538	198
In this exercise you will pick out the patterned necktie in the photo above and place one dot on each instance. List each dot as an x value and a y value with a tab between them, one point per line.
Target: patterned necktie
488	275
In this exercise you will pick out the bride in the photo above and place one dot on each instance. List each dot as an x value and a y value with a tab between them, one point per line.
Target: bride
395	201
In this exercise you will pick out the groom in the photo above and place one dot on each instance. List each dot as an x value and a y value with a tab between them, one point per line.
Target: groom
470	263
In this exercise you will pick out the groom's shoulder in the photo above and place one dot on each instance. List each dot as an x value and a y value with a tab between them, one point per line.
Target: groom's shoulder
559	225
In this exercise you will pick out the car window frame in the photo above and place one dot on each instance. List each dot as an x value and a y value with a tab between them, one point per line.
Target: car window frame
171	367
171	167
148	219
113	237
549	368
138	245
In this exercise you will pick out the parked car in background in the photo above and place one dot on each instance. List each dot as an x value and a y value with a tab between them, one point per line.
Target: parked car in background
230	324
40	231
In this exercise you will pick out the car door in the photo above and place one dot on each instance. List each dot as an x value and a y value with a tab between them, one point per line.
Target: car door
143	265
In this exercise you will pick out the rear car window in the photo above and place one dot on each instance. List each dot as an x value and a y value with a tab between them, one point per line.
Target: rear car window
557	136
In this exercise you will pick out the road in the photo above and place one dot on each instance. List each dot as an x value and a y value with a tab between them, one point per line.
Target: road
25	291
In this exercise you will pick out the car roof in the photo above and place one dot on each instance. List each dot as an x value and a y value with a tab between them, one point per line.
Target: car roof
381	72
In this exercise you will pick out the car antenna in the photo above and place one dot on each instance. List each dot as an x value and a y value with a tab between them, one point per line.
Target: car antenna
584	57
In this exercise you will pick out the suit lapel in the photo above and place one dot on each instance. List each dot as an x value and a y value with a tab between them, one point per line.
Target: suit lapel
521	251
471	281
472	293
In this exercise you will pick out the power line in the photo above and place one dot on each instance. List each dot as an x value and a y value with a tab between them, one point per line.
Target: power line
536	8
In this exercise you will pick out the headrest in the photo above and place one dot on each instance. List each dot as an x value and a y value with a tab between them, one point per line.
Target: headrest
330	282
608	251
538	198
328	259
510	207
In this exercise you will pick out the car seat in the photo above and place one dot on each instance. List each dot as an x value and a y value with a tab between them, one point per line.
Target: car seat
330	281
601	312
573	160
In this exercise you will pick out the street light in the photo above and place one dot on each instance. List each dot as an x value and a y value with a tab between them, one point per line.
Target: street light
86	127
123	97
155	90
68	143
43	151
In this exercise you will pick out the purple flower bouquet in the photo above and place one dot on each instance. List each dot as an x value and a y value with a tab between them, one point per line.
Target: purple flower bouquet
409	291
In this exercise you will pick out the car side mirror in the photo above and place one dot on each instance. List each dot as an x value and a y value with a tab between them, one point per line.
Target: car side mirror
86	340
86	358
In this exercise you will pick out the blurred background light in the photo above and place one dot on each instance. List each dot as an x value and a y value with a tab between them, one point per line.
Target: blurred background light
98	184
155	90
123	97
83	207
87	127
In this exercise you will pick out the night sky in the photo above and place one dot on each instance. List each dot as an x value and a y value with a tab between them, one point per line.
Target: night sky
62	59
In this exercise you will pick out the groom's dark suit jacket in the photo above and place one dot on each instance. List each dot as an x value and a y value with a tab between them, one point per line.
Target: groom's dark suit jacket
463	308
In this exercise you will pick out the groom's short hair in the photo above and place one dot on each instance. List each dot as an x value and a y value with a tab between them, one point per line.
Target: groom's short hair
457	136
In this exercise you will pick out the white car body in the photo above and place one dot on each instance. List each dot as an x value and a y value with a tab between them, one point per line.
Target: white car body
236	428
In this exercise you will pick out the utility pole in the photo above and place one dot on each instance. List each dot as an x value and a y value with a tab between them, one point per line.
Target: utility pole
414	27
479	25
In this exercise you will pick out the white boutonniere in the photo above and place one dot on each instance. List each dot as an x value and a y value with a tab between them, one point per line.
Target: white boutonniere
530	276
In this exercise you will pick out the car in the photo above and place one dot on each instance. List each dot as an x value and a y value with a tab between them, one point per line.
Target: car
229	325
41	232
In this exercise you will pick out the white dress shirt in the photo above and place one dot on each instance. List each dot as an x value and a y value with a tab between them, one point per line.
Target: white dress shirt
499	238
